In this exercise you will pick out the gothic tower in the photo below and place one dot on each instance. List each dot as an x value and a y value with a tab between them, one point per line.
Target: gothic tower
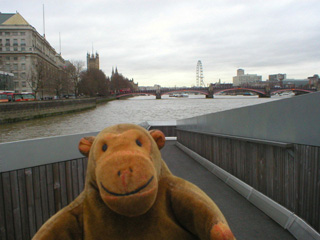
93	61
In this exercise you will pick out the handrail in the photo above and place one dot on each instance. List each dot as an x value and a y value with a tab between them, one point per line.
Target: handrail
41	151
291	120
246	139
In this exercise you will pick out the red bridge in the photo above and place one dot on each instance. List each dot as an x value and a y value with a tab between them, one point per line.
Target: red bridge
210	91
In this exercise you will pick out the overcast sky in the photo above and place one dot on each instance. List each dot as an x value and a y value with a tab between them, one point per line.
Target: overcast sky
160	42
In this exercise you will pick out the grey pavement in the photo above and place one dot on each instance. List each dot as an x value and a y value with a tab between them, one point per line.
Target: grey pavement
245	220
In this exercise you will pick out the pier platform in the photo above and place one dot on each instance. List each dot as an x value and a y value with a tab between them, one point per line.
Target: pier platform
245	220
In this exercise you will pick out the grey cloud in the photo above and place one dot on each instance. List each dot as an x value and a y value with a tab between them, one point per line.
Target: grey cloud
158	41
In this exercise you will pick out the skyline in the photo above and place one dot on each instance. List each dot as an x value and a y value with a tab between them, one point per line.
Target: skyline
161	42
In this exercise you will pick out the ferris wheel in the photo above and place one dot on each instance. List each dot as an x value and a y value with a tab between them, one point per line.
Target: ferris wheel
199	78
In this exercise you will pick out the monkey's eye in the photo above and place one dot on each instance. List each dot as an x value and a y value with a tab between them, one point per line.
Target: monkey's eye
138	143
104	147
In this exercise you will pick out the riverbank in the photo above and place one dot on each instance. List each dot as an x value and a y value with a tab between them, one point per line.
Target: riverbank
21	111
105	99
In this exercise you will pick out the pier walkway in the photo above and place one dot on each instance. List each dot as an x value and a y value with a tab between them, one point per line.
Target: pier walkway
246	221
265	179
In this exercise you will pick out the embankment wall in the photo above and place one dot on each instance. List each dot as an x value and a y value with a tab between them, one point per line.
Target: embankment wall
20	111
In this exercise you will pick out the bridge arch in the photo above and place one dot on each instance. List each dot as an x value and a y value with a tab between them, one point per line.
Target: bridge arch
293	90
183	90
238	89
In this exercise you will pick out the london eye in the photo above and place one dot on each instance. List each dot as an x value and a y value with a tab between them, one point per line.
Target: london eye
199	78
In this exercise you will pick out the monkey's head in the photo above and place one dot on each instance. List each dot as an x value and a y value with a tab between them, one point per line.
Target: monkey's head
125	165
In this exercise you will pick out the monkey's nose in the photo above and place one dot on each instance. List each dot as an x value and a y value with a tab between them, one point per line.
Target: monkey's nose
125	176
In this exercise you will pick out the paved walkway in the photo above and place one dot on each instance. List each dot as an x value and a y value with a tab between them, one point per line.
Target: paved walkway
246	221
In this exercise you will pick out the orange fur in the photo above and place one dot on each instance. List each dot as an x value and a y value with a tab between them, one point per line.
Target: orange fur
221	231
131	194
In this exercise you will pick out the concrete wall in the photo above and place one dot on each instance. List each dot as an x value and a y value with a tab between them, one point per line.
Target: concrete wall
19	111
291	120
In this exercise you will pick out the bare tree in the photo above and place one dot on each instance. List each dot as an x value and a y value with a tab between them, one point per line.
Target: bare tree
94	83
36	76
46	79
57	82
118	81
74	71
67	84
1	64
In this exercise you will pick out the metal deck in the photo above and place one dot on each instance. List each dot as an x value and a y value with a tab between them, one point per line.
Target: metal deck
245	220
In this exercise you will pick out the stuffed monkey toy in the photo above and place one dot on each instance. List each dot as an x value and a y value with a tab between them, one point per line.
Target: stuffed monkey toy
130	193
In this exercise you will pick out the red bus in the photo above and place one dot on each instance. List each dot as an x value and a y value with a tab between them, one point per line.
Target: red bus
125	90
3	97
28	97
19	97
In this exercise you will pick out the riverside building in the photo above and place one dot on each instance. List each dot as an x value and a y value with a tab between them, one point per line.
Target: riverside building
245	79
31	59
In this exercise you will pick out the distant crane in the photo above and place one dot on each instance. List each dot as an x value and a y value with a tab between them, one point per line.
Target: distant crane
199	79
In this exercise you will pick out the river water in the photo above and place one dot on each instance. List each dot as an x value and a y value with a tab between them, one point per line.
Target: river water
131	110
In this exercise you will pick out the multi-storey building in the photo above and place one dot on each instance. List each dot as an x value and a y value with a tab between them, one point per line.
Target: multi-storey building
245	79
277	77
29	56
276	80
314	81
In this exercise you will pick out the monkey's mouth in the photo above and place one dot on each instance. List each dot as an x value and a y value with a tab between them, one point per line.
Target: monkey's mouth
127	193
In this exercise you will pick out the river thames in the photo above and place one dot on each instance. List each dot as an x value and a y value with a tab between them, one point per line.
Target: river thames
132	110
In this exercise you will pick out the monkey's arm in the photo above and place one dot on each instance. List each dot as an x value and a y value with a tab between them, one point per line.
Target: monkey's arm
197	213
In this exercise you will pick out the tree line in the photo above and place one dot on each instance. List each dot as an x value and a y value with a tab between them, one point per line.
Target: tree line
94	82
46	80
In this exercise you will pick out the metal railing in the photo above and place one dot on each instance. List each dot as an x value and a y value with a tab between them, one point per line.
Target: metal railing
285	173
273	148
38	178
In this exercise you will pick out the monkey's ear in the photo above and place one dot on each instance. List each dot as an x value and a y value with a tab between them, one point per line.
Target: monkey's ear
158	137
85	145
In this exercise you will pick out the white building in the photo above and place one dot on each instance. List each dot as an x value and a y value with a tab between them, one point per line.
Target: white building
23	50
245	79
146	88
277	77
